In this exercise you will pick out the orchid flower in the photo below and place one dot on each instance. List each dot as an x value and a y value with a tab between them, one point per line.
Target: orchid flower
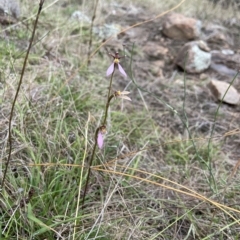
116	64
100	140
119	94
100	136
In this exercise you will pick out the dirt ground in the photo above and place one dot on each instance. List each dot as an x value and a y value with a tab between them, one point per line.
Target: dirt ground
168	84
179	106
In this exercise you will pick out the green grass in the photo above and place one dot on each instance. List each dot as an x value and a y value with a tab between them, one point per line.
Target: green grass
136	196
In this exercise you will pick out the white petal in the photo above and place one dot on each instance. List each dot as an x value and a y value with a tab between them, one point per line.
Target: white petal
126	98
125	93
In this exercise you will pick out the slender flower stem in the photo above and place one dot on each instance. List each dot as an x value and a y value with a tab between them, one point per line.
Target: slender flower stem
109	98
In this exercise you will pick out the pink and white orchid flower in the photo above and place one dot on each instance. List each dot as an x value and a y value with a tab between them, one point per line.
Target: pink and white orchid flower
116	64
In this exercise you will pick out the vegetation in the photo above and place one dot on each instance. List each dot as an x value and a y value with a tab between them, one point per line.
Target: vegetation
159	174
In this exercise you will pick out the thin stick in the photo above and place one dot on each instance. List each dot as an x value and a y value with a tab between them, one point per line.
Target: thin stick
18	89
91	31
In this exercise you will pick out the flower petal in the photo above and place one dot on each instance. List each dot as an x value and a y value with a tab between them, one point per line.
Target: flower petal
125	97
121	70
110	69
124	92
100	140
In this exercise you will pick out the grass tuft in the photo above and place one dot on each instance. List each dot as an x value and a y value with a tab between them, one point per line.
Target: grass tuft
167	169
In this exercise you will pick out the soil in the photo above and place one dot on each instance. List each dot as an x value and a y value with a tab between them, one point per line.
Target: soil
166	81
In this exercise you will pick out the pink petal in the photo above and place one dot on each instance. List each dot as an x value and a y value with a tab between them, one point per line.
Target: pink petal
100	140
121	70
110	69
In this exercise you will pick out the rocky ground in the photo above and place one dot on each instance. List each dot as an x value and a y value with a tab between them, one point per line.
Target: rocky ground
183	67
210	53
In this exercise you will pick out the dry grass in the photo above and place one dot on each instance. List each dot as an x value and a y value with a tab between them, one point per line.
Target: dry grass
207	10
157	177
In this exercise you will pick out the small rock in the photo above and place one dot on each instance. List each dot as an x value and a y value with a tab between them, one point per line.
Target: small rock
203	76
136	35
179	27
218	38
81	17
232	61
107	30
157	67
9	11
155	51
223	70
227	51
159	73
179	82
217	35
10	8
219	89
192	58
203	46
158	63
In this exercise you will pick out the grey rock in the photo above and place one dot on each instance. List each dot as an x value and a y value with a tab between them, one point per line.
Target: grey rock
226	58
107	30
81	17
217	35
194	57
222	69
10	8
227	52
